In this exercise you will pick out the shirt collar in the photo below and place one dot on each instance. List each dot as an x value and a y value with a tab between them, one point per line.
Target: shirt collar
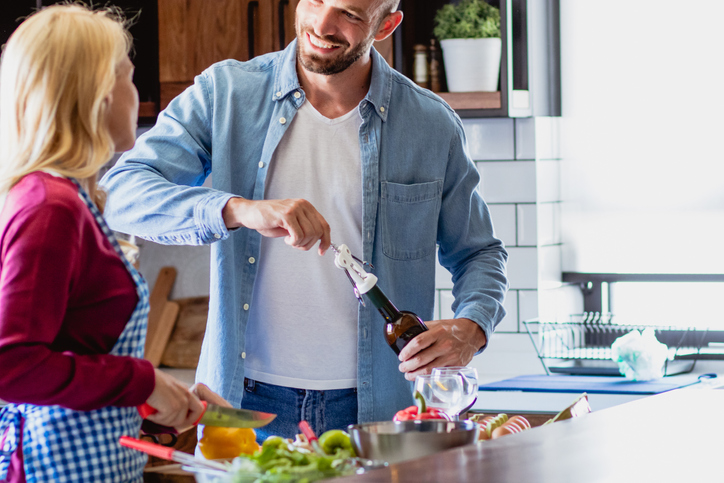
287	80
380	86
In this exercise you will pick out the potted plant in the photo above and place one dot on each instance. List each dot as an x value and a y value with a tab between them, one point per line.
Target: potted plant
469	34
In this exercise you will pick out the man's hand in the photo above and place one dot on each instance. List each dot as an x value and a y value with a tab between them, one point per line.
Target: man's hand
451	342
296	220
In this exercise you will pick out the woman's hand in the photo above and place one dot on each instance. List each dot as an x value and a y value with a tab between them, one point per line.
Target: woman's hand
203	392
176	405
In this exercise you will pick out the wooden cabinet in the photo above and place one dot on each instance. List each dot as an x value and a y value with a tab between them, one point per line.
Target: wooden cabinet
193	34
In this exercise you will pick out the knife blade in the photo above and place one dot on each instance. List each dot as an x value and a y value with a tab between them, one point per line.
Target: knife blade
215	415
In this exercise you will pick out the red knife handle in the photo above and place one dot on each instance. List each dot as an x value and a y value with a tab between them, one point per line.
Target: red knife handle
307	431
145	410
147	447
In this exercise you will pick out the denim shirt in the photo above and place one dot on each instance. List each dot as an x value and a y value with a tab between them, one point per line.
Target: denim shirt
419	192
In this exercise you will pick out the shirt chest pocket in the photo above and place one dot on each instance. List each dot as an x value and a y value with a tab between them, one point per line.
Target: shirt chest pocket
409	219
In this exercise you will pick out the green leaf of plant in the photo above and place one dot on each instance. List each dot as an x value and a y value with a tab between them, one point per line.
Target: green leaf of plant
469	19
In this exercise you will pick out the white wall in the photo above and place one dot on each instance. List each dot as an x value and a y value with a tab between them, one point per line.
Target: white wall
642	136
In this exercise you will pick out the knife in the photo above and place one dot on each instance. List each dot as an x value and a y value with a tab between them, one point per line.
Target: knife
215	415
171	454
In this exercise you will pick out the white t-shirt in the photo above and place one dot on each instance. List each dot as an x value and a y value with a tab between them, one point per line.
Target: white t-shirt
302	329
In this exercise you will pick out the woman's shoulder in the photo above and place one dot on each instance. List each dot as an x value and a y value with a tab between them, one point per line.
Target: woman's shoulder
41	190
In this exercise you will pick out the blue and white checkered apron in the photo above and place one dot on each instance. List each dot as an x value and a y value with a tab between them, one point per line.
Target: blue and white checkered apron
62	445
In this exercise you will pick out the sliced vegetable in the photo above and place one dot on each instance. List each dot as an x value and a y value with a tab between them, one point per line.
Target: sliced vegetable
280	461
334	440
419	412
217	442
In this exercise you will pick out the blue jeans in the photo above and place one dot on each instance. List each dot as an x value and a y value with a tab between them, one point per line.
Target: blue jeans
323	410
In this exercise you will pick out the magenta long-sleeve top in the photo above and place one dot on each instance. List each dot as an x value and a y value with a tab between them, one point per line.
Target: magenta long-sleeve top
65	297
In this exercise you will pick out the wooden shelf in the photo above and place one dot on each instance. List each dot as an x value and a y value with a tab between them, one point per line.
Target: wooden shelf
472	100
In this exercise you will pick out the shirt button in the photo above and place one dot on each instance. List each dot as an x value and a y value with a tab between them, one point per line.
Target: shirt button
243	355
283	120
246	306
279	94
217	236
297	95
252	259
382	109
261	164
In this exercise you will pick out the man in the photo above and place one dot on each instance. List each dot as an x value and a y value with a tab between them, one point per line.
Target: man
322	140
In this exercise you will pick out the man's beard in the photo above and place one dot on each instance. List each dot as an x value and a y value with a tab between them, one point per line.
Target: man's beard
317	65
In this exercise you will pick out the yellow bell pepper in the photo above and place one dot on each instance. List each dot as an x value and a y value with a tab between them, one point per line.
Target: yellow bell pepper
217	443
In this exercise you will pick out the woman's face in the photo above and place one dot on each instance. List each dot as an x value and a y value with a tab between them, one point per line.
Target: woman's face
122	114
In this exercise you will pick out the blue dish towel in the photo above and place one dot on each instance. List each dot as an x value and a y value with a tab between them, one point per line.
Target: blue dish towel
592	384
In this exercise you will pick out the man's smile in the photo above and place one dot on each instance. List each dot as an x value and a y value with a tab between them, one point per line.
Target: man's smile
321	44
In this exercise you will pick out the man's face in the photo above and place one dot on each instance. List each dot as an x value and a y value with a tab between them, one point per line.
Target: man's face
333	34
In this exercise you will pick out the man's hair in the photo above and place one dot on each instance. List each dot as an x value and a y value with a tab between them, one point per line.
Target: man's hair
391	5
57	71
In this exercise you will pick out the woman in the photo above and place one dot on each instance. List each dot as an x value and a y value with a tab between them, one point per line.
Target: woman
73	310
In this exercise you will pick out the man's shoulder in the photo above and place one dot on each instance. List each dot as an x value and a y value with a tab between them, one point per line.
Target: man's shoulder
262	64
419	98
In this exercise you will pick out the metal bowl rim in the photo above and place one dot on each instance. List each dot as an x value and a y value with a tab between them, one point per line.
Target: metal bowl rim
459	426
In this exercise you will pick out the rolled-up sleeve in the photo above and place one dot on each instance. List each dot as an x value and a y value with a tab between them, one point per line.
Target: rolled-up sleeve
155	190
468	247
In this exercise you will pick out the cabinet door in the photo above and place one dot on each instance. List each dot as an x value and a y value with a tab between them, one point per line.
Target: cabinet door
284	12
260	27
193	34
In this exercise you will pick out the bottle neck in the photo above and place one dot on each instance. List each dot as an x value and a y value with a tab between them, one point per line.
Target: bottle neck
383	304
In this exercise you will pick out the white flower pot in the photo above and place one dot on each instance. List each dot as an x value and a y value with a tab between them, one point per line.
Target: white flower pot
472	64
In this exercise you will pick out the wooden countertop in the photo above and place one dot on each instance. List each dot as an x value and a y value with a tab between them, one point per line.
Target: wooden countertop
675	436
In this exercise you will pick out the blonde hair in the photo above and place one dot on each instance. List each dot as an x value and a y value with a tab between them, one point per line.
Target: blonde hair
57	71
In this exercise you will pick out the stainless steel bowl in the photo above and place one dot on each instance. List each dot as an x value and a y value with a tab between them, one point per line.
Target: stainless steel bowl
395	441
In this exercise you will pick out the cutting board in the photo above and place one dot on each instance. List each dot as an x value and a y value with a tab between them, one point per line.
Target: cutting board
590	384
161	316
184	346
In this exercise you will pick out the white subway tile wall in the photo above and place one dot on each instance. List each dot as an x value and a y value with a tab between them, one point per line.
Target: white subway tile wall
548	179
490	139
519	164
504	223
527	224
525	138
527	305
549	266
508	181
549	230
510	321
523	267
547	138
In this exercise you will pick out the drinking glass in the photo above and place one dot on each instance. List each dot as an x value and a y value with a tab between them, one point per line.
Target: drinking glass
433	395
449	388
468	387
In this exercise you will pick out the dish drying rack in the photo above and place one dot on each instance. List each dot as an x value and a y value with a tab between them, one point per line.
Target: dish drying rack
588	337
